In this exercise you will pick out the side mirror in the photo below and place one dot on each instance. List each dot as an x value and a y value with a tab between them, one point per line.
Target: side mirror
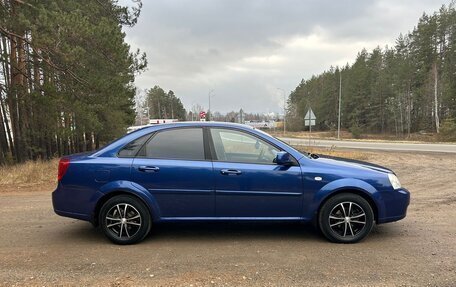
283	158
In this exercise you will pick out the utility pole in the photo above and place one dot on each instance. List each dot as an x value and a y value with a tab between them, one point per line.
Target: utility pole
340	100
310	123
172	110
148	115
436	102
209	95
284	110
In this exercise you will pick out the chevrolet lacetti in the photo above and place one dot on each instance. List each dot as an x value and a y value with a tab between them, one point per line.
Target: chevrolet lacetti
221	171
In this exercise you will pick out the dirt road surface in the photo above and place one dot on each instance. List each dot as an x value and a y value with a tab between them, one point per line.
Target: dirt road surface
40	248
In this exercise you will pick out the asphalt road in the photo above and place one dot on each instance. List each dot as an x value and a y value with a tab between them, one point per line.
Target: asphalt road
371	145
39	248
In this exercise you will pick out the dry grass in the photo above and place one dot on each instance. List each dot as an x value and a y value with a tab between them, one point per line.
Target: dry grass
30	173
351	154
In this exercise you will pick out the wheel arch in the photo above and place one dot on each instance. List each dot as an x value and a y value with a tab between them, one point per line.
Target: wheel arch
364	194
347	185
144	198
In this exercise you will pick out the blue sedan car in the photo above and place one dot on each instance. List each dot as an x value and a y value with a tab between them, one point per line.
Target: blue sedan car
222	171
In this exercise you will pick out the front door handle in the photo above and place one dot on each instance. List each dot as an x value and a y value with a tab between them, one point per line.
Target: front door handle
145	168
230	172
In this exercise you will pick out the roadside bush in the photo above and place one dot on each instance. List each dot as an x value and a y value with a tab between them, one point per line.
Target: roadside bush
448	130
356	131
294	124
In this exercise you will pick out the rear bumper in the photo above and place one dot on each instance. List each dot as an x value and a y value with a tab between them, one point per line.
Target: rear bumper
69	203
395	205
73	215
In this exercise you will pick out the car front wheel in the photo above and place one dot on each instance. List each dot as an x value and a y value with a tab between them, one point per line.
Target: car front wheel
346	218
125	219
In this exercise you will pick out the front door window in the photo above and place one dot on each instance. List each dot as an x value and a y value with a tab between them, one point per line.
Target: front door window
236	146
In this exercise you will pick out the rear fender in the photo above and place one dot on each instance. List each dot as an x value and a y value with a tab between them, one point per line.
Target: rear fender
128	187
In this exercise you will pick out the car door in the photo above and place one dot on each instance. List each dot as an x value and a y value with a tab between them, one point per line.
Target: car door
174	168
248	183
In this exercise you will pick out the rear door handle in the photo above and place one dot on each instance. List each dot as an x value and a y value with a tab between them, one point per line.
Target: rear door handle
230	172
145	168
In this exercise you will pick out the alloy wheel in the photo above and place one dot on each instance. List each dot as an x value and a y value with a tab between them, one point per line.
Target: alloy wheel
123	220
347	219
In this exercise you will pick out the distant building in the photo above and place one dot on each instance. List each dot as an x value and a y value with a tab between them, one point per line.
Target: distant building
162	121
151	123
134	128
262	124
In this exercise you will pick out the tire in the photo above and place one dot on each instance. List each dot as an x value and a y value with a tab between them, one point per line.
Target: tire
125	229
346	218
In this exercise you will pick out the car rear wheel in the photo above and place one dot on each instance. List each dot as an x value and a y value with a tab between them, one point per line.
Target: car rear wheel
125	219
346	218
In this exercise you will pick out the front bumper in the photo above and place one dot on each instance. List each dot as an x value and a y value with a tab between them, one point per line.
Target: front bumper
395	205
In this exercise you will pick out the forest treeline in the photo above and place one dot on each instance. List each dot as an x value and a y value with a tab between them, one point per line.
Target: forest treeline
161	105
403	89
66	76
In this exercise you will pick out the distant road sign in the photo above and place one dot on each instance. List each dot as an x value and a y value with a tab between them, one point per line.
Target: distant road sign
310	115
309	119
202	116
306	122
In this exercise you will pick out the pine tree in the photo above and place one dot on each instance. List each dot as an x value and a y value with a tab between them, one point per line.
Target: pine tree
66	76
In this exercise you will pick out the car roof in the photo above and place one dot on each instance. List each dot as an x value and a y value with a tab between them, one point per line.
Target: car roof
198	124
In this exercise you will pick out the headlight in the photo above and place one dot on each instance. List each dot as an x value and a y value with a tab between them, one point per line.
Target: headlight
394	181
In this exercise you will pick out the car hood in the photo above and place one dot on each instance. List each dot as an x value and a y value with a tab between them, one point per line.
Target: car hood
350	163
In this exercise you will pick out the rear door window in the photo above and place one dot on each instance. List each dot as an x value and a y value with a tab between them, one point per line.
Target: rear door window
185	144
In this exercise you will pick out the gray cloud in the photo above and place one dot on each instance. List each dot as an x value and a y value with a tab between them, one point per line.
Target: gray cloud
246	49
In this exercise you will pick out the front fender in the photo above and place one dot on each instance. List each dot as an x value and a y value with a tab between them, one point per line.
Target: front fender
344	184
132	188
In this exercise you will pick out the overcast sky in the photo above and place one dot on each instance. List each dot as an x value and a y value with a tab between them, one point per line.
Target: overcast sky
245	49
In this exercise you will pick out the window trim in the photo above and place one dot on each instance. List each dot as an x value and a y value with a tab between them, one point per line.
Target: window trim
214	155
207	139
170	158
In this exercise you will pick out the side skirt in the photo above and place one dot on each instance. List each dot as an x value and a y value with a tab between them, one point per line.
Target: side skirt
169	219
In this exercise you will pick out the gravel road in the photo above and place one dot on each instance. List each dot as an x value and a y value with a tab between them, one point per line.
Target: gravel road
40	248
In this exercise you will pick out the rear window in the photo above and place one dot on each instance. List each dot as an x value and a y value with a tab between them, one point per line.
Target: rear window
186	144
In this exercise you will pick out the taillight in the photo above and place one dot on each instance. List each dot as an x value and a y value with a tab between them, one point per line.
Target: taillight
64	163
